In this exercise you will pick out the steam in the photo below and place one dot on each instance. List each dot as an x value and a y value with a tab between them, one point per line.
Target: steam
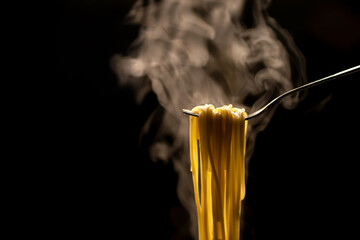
194	52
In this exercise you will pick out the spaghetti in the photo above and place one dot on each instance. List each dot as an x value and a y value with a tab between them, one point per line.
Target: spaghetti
217	151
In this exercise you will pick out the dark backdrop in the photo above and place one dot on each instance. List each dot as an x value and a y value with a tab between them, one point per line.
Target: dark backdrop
303	181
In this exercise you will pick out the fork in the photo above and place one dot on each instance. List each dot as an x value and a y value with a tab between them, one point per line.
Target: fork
294	90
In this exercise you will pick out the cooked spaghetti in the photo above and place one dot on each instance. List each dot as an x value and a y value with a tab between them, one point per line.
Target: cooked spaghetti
217	151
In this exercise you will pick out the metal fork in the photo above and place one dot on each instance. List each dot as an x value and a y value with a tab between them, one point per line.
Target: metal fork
303	87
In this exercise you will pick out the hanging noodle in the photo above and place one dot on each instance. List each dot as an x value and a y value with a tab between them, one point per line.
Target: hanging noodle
217	151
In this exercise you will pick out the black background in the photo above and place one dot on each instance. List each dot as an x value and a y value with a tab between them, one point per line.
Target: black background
303	181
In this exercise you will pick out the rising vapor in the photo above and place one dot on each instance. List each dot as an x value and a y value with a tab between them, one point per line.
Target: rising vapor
193	52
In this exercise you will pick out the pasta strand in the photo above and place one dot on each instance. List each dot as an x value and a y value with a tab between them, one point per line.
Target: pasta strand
217	157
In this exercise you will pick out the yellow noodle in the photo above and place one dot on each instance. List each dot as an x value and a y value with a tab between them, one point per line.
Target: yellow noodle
218	138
